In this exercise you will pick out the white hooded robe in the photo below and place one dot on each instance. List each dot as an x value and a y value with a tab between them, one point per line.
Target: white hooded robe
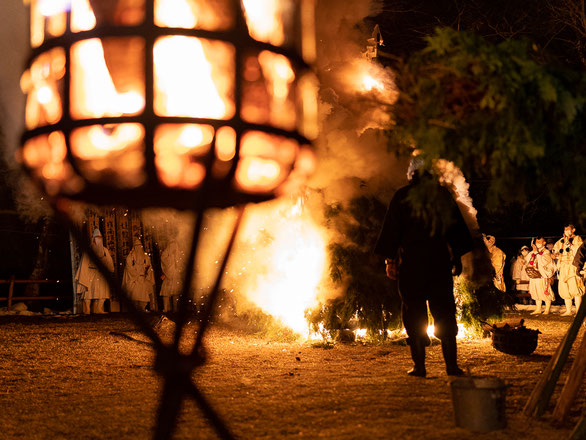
172	266
91	284
138	279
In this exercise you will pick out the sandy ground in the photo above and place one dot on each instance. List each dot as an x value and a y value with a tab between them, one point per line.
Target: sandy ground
70	378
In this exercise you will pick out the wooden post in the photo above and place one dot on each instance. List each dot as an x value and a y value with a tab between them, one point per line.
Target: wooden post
572	385
541	394
579	431
10	292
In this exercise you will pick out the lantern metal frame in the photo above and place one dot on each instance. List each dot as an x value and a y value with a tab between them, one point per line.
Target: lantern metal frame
153	192
175	367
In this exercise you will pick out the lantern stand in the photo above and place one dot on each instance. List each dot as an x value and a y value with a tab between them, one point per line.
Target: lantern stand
48	146
175	368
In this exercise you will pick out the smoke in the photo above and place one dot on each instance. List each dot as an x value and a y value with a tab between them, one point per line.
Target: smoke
452	177
30	203
355	99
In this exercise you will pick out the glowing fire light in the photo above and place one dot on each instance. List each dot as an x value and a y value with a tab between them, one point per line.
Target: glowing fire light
184	84
264	20
294	263
371	83
463	333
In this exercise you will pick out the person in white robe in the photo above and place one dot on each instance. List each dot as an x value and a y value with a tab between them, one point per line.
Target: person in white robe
570	286
90	283
540	267
172	262
518	273
498	259
139	279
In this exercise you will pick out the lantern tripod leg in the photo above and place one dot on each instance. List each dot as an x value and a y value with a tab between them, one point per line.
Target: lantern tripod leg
177	379
184	305
213	296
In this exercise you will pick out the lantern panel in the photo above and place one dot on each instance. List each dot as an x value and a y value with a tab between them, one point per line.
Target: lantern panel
211	15
112	154
87	14
268	91
192	139
45	155
179	150
178	153
265	161
107	78
43	84
225	151
307	31
48	19
307	105
225	143
194	77
305	164
271	21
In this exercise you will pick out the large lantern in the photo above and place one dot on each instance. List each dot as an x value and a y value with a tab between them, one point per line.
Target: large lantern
177	103
188	104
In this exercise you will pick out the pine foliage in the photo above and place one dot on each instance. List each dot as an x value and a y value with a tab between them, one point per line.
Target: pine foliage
370	300
500	113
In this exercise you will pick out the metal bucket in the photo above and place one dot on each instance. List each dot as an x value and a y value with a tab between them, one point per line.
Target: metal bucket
479	403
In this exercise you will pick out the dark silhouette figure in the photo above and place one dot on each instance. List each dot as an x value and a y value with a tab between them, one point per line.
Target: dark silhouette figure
423	255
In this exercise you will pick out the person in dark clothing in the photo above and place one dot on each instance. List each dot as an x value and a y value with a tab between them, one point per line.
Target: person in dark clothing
423	255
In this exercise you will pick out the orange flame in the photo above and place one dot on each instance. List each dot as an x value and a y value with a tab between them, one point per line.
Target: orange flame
285	281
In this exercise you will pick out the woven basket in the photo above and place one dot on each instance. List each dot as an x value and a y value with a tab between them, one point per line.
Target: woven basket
518	341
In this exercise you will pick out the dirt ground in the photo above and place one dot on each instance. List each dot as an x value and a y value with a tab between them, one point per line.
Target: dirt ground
70	378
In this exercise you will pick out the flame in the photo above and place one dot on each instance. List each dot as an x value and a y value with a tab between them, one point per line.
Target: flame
82	16
53	7
279	77
290	268
226	144
176	13
41	83
371	83
265	161
183	80
264	20
176	148
92	85
194	14
463	333
98	141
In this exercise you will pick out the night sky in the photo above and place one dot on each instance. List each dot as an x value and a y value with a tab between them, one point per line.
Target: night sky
403	23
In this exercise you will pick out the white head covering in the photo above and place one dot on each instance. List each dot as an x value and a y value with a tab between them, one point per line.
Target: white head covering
415	164
97	247
136	242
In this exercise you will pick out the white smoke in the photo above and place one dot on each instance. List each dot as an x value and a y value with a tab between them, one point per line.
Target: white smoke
452	177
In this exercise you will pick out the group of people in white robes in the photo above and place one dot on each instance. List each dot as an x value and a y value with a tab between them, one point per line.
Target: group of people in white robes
536	268
138	279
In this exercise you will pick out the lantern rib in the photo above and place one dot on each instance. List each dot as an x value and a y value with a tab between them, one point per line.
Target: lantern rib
236	122
153	32
188	279
213	296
